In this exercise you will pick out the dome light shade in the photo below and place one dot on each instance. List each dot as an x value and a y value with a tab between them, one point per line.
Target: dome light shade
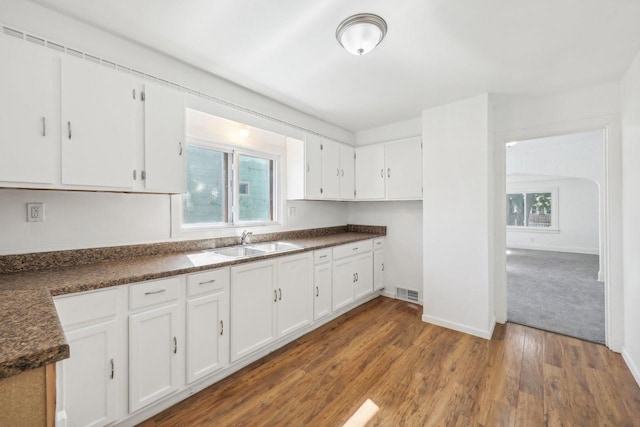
359	34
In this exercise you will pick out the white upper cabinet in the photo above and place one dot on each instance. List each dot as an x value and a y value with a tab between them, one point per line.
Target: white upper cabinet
389	171
319	169
347	172
97	126
164	139
404	169
330	169
27	113
370	172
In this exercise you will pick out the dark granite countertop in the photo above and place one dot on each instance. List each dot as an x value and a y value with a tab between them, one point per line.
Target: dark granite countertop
31	334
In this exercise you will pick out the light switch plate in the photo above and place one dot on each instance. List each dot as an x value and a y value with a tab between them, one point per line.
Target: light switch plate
35	212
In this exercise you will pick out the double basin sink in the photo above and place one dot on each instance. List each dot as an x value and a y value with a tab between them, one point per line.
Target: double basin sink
253	250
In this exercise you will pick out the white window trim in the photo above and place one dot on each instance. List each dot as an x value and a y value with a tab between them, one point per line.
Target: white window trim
179	230
555	225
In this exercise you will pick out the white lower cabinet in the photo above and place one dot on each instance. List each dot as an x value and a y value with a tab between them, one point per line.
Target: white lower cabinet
295	299
378	264
253	299
322	284
89	382
352	273
207	323
156	341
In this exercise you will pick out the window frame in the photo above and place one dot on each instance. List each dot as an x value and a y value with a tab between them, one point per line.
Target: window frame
555	226
232	189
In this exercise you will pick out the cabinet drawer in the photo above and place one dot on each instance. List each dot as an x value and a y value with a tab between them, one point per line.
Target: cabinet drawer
323	255
352	249
155	292
78	309
378	243
208	281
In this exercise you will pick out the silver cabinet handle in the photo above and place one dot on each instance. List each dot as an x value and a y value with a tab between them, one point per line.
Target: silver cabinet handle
134	174
275	295
280	290
383	266
207	282
317	291
323	256
134	94
381	173
113	369
44	126
356	277
180	149
342	172
221	327
354	249
307	167
69	129
155	292
338	172
143	175
175	345
389	173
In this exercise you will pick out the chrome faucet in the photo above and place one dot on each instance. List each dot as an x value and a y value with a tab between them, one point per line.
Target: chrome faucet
246	235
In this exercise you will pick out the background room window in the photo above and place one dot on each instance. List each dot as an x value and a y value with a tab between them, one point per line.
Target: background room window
530	209
206	199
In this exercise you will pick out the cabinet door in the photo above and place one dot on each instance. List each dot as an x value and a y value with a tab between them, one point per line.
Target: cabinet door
378	270
343	283
164	139
330	169
370	172
87	381
364	275
97	125
313	158
295	286
322	290
253	302
26	113
154	343
404	169
207	334
347	172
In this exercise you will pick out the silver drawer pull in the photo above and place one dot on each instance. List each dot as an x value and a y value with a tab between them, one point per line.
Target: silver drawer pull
354	249
69	129
383	266
155	292
323	256
175	345
44	126
317	291
207	282
221	327
275	295
113	369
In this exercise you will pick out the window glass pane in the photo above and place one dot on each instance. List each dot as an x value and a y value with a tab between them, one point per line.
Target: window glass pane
515	210
539	209
256	188
205	200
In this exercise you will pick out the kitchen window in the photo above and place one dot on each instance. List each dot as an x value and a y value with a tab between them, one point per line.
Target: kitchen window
218	181
532	210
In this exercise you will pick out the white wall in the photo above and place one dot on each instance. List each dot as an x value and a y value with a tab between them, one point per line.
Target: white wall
592	108
403	244
390	132
630	90
457	237
87	219
578	219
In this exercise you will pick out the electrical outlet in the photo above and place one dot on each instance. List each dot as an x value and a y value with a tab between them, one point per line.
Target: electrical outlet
35	212
292	211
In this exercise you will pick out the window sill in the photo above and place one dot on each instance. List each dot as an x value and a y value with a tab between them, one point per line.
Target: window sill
533	230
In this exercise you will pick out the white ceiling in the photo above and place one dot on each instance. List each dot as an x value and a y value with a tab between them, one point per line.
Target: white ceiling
435	51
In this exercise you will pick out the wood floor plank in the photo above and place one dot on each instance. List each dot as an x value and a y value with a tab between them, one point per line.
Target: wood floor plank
419	375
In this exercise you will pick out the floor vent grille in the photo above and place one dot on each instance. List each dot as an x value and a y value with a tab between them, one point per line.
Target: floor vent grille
407	295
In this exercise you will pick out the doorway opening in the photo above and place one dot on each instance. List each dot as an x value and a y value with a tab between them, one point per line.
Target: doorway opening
555	205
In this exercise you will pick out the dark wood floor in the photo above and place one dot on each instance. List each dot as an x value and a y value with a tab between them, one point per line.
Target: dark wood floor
420	375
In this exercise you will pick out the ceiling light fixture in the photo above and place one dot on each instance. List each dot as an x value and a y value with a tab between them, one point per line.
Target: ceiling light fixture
360	33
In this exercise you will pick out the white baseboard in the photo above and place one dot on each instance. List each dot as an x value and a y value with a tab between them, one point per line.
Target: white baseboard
573	250
486	334
632	366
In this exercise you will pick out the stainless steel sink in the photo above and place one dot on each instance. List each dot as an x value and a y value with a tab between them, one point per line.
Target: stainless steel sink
239	251
275	246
